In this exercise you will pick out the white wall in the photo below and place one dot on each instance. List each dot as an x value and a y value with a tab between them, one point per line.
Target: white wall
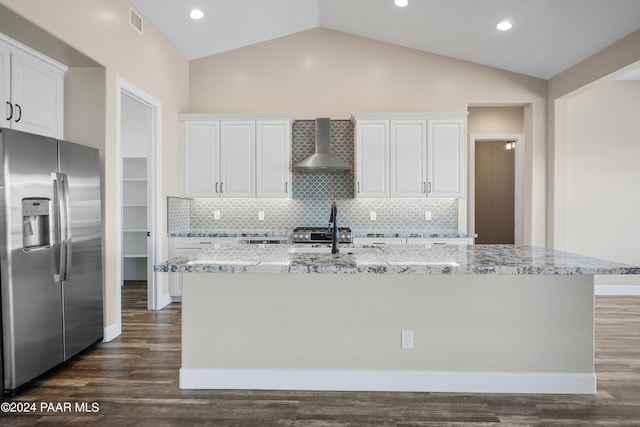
493	120
616	59
563	205
324	73
99	30
603	150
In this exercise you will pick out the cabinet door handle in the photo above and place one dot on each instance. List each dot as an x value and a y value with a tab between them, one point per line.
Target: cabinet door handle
429	186
424	187
217	188
286	187
358	187
19	113
10	110
221	190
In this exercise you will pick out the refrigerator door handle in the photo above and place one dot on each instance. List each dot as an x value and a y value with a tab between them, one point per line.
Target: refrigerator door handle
62	234
59	263
67	229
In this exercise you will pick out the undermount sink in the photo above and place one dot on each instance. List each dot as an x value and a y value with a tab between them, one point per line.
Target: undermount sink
311	249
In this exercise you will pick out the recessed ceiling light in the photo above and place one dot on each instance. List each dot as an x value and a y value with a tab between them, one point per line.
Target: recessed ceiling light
196	14
504	26
401	3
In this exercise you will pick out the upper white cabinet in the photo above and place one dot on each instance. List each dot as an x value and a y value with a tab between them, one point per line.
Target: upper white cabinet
408	158
200	158
409	155
372	158
236	156
31	90
273	158
445	158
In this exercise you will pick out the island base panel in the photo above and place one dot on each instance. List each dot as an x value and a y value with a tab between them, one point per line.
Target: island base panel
472	333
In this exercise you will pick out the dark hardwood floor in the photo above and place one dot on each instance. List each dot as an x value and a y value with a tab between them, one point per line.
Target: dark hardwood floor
133	381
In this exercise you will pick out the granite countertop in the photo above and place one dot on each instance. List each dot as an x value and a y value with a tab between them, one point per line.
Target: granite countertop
440	235
403	259
287	233
231	233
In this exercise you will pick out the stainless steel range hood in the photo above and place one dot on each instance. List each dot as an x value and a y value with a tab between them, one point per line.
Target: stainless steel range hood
322	159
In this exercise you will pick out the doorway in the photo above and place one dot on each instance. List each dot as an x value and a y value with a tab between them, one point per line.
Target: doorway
495	191
138	198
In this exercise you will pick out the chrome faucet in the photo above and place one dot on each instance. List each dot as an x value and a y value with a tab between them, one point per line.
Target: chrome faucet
333	229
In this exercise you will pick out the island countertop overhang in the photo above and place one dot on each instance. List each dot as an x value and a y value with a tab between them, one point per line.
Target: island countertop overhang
403	259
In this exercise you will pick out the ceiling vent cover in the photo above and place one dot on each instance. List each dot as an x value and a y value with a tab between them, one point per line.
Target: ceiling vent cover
135	20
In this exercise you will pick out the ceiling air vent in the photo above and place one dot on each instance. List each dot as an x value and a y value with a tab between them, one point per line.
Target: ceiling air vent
135	20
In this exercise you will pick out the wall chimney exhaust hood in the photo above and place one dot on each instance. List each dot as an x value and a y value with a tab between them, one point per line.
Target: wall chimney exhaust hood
322	160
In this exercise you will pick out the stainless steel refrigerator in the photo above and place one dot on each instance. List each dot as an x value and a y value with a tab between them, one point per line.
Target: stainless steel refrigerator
50	253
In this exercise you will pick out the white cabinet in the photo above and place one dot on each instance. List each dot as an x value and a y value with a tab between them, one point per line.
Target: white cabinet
31	90
273	158
372	158
200	159
236	156
439	241
187	245
218	159
237	159
409	155
408	158
379	241
445	158
5	86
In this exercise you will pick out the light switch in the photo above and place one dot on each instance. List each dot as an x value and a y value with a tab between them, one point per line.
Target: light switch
261	216
372	216
427	216
216	214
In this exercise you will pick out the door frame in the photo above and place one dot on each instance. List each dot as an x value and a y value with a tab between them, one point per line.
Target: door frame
518	184
156	299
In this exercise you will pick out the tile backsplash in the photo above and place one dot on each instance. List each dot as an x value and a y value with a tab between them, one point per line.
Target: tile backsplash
313	193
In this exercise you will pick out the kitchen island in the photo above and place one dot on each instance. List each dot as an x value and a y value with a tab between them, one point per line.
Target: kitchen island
483	318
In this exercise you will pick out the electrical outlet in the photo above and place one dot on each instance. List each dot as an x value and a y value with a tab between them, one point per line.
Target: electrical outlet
216	214
427	216
372	215
407	340
261	216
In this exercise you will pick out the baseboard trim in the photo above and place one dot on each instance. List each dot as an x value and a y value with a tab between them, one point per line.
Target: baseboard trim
622	290
112	332
382	380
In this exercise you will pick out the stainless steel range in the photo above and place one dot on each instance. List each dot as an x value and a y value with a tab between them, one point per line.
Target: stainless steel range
320	235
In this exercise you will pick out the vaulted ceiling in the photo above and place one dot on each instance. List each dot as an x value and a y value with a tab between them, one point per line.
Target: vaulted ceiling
548	36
